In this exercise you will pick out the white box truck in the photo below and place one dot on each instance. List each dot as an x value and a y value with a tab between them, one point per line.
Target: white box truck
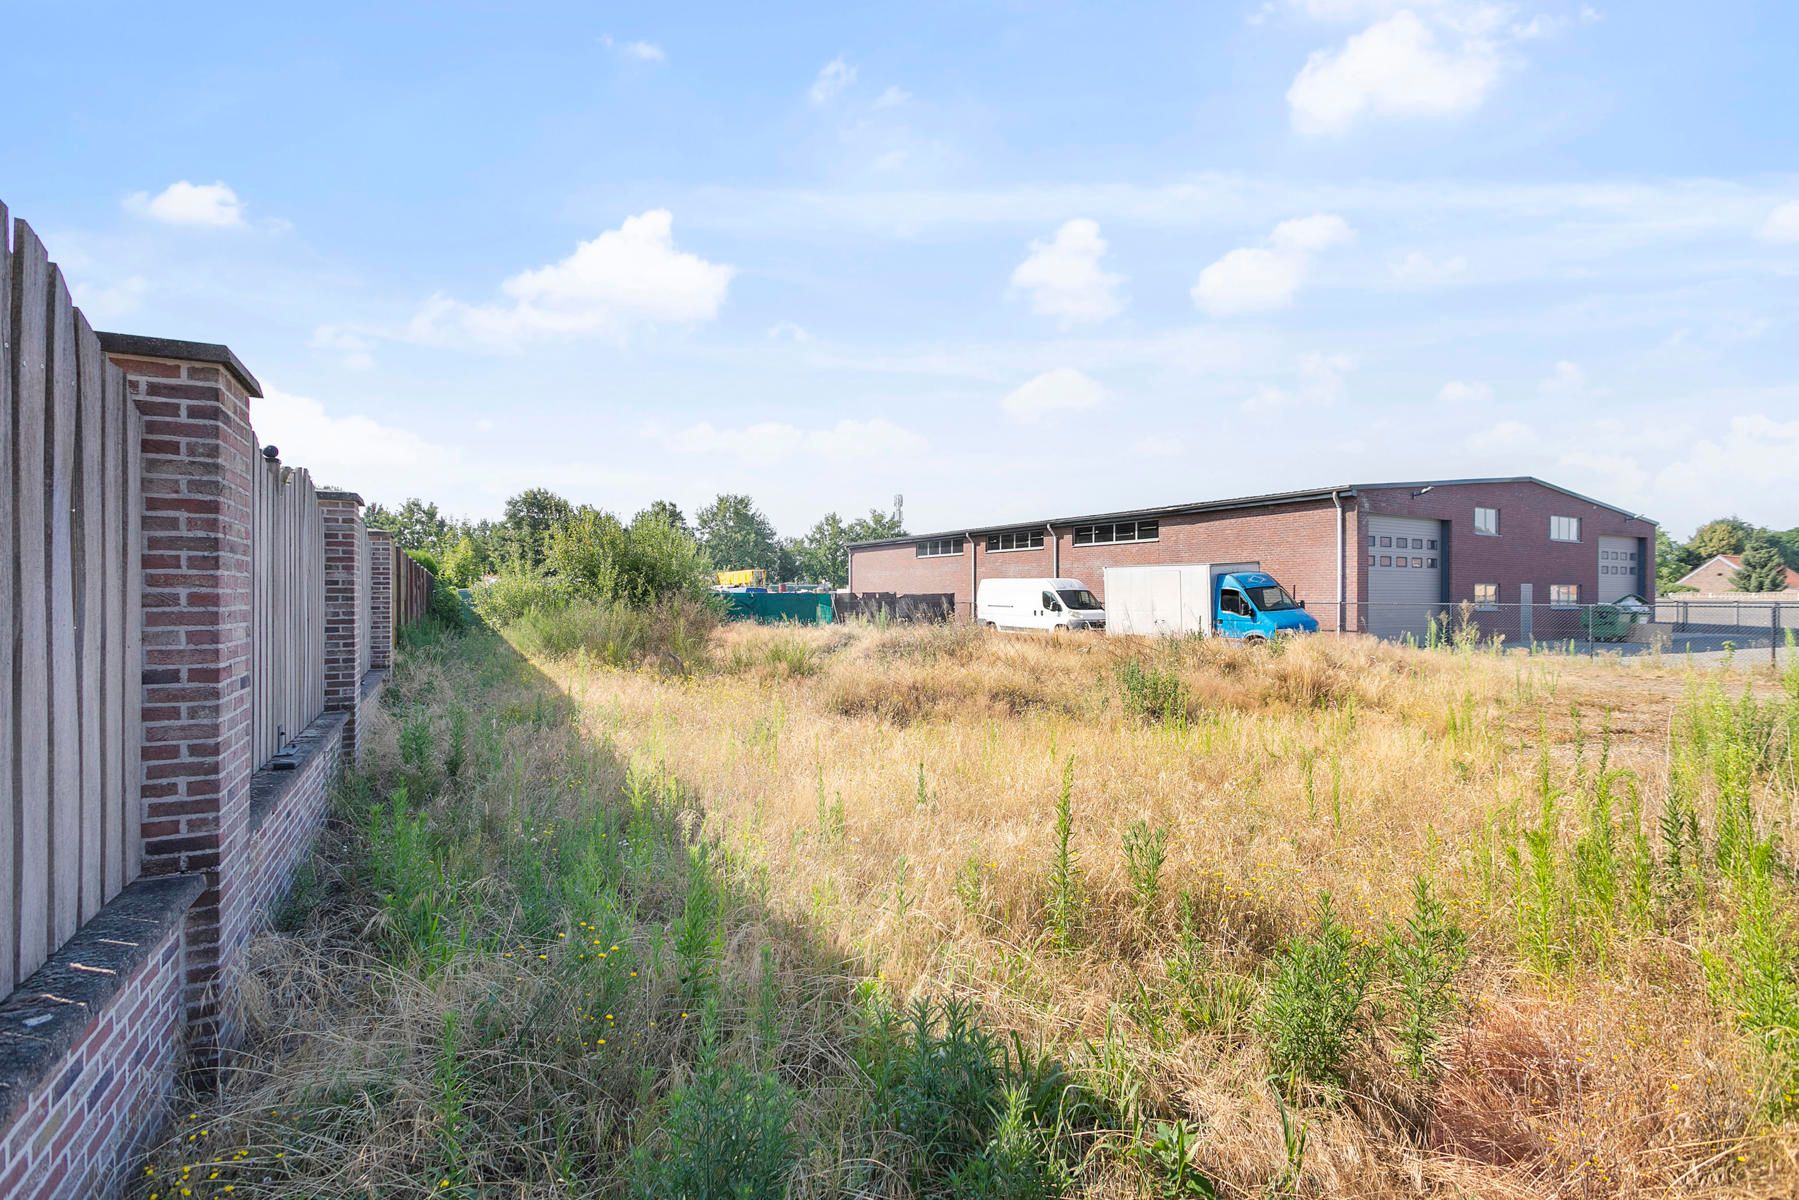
1037	604
1235	600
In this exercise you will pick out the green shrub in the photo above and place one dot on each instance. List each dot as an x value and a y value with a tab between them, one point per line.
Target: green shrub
1425	961
672	634
1145	851
1064	900
511	596
1312	1010
976	1117
1154	695
725	1136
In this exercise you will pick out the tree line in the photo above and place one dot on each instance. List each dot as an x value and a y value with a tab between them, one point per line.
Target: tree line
1766	554
658	551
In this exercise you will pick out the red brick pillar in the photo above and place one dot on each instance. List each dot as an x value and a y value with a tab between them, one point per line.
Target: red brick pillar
346	612
382	567
197	450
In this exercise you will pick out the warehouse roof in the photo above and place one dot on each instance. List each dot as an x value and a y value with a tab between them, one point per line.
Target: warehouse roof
1263	501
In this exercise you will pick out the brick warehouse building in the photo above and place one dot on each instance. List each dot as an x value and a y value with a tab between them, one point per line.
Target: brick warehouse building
1499	543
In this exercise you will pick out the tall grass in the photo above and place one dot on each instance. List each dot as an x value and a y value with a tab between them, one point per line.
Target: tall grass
1512	963
899	912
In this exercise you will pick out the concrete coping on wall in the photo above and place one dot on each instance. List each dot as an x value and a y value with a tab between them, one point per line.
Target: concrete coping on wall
337	494
131	345
48	1014
270	785
371	683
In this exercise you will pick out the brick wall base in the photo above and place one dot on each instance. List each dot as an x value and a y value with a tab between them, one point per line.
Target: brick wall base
288	808
90	1046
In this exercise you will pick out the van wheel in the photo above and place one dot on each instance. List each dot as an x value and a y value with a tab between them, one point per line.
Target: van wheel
990	625
1255	639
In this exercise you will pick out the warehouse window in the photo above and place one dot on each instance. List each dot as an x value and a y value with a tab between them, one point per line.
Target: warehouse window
1564	529
1486	595
1564	595
939	547
1113	532
1386	560
1017	539
1486	520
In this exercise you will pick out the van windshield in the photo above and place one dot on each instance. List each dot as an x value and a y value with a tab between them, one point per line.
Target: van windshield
1078	598
1273	598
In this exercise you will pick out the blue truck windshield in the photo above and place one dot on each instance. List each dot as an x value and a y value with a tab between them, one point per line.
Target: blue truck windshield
1273	598
1078	598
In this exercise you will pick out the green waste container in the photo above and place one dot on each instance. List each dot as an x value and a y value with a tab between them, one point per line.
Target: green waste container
1605	623
804	608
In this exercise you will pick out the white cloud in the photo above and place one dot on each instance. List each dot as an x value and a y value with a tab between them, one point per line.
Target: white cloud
639	50
833	78
1395	67
1159	447
1256	278
348	451
1463	393
1319	382
788	331
767	441
1418	269
105	305
1061	390
1503	437
624	277
1065	279
1782	224
182	203
893	97
1568	381
352	349
1755	452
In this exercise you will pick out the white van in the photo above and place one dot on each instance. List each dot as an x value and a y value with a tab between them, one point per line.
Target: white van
1037	604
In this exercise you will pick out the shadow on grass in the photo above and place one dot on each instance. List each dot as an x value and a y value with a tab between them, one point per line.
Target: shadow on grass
512	967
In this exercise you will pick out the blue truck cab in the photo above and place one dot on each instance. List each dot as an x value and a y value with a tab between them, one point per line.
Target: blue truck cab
1251	605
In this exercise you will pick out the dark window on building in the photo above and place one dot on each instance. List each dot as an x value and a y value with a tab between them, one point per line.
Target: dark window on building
939	547
1017	539
1110	532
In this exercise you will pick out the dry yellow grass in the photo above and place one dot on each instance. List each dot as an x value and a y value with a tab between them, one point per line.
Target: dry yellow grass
1340	766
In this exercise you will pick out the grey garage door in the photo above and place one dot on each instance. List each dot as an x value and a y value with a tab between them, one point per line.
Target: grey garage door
1618	569
1405	575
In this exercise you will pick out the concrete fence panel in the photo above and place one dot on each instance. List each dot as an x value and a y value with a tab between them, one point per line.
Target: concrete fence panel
288	605
70	704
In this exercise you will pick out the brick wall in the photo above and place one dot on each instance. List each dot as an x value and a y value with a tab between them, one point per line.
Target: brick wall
90	1044
288	809
107	1014
197	449
346	606
381	598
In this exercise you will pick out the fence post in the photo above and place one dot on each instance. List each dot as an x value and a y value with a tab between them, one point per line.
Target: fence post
346	605
196	743
383	564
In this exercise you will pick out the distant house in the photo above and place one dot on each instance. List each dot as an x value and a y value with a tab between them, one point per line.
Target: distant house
1718	574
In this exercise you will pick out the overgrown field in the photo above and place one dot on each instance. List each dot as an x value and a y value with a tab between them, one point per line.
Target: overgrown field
927	911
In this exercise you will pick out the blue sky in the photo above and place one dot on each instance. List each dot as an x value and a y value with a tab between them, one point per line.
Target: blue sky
1009	260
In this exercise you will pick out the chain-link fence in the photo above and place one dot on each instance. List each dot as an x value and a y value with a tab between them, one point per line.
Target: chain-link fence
1669	626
